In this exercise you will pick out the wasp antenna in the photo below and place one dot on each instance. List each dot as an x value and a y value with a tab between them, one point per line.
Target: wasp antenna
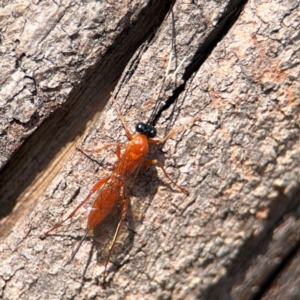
178	68
169	63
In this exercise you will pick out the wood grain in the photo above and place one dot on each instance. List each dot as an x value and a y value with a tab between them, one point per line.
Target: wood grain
240	223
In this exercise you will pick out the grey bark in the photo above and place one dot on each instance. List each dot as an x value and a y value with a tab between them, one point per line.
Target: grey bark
240	222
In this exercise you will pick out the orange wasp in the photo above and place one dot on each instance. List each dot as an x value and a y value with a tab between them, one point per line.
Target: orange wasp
111	189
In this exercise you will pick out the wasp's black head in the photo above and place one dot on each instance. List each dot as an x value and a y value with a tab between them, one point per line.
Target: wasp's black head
148	130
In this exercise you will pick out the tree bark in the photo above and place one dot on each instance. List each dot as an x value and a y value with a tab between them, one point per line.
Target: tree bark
232	236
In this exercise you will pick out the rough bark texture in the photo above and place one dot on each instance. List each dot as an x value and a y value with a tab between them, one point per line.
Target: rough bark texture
233	235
